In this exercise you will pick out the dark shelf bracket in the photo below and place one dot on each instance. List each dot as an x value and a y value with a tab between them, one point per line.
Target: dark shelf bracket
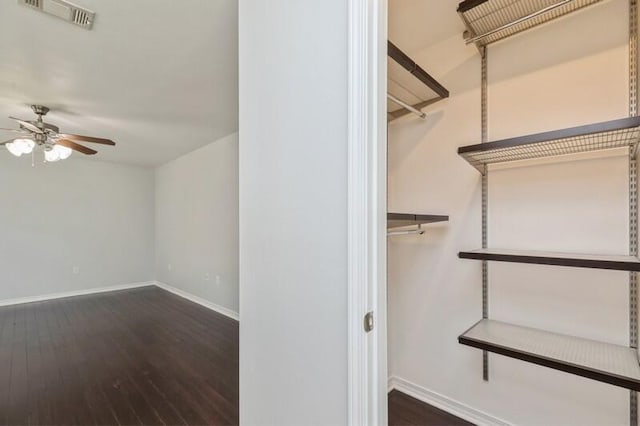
421	75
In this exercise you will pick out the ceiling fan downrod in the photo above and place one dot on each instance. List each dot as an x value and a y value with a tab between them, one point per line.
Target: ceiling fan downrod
40	110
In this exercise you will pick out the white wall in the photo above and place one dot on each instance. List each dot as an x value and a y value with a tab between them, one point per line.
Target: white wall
197	223
560	75
293	212
94	215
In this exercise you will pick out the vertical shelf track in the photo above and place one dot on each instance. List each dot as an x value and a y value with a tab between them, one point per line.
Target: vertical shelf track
485	201
633	197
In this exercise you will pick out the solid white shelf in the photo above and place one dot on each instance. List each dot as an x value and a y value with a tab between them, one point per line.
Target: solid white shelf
614	262
605	362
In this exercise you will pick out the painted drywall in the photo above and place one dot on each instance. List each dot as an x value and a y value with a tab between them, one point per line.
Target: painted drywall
90	215
293	212
559	75
196	227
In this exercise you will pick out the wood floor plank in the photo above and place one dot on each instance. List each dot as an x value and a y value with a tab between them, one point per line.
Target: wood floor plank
90	366
6	350
67	359
36	386
18	390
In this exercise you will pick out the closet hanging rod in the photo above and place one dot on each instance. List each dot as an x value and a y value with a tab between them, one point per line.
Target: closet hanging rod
518	21
418	231
406	106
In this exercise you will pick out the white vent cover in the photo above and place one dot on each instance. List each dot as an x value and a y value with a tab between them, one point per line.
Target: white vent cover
64	10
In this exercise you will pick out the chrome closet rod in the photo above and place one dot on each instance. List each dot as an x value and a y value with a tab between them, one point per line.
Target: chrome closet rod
517	21
409	232
418	231
406	105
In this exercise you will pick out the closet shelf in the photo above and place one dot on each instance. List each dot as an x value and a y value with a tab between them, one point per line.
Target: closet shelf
488	21
615	262
398	220
624	132
605	362
411	84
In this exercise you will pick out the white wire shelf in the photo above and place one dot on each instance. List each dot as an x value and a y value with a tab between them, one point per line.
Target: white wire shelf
488	21
620	133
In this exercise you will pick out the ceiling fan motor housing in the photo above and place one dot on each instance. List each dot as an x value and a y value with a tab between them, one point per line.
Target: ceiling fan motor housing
40	109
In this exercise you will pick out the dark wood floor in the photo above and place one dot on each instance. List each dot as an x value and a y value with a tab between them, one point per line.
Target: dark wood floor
140	356
134	357
407	411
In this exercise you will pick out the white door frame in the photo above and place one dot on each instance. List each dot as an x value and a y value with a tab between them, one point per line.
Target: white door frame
367	211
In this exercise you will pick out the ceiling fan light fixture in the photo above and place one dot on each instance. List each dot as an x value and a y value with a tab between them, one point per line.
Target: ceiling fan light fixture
46	137
20	146
13	149
63	151
51	155
26	145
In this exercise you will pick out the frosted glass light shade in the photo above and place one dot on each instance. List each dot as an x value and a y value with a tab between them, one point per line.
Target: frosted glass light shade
13	149
21	146
63	151
26	145
51	155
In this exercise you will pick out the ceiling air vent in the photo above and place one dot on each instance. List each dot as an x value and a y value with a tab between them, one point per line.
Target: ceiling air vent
63	10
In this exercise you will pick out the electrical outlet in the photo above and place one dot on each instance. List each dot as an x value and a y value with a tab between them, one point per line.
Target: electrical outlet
169	267
207	277
217	279
76	270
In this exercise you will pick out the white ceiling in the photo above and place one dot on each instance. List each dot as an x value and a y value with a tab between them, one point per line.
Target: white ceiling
417	24
158	77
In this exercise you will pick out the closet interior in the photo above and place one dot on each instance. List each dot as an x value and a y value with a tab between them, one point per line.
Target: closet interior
536	44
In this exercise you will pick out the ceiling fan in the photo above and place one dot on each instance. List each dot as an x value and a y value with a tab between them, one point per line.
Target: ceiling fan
56	146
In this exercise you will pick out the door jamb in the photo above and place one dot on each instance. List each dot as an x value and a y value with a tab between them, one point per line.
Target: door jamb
367	235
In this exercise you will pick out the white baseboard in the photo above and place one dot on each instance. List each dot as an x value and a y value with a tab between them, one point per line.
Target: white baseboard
199	300
445	403
30	299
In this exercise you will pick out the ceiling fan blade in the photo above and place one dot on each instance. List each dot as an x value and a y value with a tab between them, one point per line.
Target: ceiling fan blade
12	130
6	142
28	125
75	146
87	139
